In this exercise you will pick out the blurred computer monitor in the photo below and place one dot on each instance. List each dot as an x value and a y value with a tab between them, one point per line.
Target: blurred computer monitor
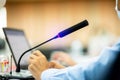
18	43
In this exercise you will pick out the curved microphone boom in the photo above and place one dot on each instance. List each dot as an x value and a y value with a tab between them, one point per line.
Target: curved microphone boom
59	35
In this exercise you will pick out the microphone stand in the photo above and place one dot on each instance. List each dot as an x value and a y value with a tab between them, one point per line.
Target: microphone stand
18	65
59	35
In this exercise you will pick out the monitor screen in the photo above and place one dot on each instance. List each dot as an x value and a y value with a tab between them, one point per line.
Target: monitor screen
18	43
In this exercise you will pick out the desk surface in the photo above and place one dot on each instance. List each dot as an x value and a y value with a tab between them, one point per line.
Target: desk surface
15	78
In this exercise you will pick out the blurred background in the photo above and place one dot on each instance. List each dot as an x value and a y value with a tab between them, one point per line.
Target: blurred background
43	19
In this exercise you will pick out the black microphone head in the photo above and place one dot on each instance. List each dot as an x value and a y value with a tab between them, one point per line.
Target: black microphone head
73	28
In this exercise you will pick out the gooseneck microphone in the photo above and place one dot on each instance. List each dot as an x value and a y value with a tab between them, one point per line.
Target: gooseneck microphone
59	35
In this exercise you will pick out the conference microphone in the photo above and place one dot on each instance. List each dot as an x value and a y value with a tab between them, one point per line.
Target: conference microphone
59	35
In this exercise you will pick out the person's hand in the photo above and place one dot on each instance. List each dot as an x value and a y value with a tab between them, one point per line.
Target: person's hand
37	64
63	58
54	64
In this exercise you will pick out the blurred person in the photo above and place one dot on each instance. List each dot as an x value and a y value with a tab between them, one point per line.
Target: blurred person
106	67
44	70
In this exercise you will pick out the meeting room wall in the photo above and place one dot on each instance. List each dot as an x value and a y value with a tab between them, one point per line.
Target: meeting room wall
43	20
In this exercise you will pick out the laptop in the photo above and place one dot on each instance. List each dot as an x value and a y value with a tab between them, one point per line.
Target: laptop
18	44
